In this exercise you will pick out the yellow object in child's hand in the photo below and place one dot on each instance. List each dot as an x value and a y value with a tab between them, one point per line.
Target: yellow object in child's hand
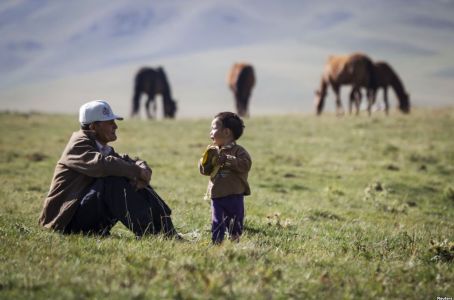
210	160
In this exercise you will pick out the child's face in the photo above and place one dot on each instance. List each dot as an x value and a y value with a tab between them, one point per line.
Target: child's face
219	135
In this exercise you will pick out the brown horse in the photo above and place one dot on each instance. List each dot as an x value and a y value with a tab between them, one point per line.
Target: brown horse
241	80
385	76
355	69
151	82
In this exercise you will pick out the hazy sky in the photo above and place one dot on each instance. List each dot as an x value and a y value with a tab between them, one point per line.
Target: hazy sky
56	55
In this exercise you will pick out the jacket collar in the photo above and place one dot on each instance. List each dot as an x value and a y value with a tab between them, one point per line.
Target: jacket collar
105	150
229	146
90	133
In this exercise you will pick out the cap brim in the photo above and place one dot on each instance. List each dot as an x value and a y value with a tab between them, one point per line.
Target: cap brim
115	117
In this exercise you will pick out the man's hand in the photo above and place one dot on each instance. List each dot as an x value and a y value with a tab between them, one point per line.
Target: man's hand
143	164
140	185
144	180
145	175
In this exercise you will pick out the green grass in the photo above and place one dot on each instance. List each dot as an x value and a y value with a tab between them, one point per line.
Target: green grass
340	208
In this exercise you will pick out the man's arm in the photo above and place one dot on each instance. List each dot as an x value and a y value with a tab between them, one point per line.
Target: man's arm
83	157
146	172
137	161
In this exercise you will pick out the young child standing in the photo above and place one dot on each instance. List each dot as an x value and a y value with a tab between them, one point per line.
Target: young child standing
228	165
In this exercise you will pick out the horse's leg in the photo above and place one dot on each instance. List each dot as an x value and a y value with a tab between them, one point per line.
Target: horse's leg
358	97
350	102
239	106
370	100
135	103
165	109
385	99
376	104
319	101
147	106
355	98
155	115
243	106
339	109
246	104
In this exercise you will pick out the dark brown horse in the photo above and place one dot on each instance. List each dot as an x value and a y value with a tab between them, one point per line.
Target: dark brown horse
355	69
241	80
151	82
385	76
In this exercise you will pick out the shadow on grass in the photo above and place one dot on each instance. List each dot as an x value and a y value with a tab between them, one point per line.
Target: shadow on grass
270	230
253	229
283	188
320	215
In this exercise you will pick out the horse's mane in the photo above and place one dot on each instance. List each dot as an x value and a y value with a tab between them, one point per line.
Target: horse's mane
393	79
163	77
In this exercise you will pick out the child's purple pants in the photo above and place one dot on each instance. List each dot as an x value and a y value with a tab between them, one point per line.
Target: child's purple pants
226	212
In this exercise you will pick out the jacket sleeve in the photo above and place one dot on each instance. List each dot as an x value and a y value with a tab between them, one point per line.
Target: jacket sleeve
241	162
208	161
141	163
83	157
202	170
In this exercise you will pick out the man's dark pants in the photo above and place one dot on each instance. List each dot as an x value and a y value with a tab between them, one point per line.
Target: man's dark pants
112	199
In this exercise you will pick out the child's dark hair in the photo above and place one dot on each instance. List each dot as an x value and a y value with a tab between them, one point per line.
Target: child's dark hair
231	121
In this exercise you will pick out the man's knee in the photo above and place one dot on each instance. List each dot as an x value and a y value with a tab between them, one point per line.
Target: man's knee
117	181
116	186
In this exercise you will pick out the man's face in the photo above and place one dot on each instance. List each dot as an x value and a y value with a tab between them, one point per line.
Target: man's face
105	131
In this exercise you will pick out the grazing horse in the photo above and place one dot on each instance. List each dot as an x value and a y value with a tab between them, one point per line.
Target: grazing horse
241	80
385	77
151	82
355	69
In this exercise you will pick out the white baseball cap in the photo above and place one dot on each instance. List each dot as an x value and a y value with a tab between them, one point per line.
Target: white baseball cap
97	110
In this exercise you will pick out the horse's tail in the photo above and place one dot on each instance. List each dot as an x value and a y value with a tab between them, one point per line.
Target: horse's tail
246	79
244	84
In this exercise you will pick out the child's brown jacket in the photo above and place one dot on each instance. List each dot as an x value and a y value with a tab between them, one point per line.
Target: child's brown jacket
231	179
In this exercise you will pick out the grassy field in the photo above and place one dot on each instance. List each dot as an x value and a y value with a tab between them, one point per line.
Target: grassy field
341	208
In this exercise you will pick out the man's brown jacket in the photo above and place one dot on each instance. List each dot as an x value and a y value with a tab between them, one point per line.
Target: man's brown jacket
79	164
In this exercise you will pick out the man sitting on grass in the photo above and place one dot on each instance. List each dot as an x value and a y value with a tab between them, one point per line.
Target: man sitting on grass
94	187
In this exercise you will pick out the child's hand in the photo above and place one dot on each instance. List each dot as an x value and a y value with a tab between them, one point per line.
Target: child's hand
222	159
